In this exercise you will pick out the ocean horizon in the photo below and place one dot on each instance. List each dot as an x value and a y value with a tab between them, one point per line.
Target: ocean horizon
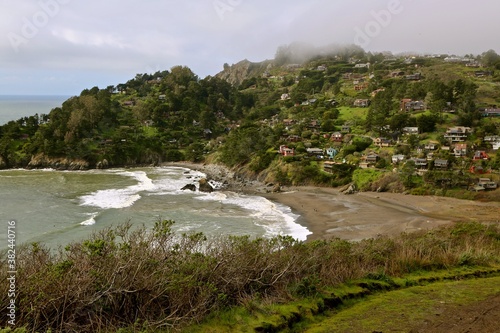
15	107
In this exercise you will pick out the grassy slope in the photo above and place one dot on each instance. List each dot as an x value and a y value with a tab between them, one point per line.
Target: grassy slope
400	310
363	306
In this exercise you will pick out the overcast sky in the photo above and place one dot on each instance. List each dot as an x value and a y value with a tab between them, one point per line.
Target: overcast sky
61	47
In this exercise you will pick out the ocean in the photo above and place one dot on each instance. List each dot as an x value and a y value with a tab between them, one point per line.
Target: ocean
59	207
16	107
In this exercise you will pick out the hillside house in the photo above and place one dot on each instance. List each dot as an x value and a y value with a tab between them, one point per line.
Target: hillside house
382	142
314	124
397	74
410	130
414	77
457	134
460	149
398	158
345	129
285	97
409	105
285	151
293	138
487	184
337	137
331	153
315	152
162	97
367	65
490	112
480	155
361	86
441	164
375	92
362	103
420	163
372	158
494	140
431	146
403	102
480	74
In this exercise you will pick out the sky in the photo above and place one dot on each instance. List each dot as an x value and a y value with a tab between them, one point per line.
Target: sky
60	47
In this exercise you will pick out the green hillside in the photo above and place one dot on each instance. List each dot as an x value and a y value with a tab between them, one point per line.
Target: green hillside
339	112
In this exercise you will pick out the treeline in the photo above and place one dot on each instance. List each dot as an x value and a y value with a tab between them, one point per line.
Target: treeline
144	280
169	115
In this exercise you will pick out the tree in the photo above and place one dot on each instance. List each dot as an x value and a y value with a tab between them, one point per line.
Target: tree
406	174
490	58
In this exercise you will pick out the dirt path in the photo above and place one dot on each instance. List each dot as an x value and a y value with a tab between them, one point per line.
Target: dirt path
481	317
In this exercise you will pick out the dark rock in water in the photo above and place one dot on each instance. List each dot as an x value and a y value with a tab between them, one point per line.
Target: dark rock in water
205	186
190	187
277	189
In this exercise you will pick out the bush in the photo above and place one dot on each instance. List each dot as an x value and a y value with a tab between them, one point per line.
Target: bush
152	279
364	178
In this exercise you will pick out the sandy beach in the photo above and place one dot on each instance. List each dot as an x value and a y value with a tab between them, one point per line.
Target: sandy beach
328	213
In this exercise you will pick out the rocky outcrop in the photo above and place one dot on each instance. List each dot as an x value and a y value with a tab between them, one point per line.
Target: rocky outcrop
3	165
348	189
189	187
237	73
102	164
42	161
204	186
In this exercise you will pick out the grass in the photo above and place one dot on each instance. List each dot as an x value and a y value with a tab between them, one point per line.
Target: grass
352	114
399	310
364	305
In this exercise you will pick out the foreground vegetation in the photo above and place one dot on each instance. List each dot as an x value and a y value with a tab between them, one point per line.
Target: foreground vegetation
140	280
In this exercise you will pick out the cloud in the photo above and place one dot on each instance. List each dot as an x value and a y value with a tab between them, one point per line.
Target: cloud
113	40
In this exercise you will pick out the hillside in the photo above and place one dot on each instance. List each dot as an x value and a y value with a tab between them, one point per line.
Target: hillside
330	117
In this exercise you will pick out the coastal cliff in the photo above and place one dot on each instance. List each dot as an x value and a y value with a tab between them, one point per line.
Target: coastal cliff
60	163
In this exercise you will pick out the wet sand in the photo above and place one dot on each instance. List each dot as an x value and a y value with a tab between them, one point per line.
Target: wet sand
327	213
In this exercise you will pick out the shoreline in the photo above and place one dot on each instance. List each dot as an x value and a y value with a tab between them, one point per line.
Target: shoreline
327	213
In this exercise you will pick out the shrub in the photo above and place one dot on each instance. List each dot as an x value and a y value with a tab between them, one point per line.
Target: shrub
142	280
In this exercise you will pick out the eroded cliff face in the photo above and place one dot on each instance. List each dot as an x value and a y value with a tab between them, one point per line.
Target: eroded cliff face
59	163
237	73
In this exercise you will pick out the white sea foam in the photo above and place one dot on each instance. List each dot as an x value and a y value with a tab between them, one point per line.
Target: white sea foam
119	198
91	220
275	219
170	180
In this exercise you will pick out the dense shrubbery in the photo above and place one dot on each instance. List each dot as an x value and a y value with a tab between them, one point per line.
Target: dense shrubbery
156	279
